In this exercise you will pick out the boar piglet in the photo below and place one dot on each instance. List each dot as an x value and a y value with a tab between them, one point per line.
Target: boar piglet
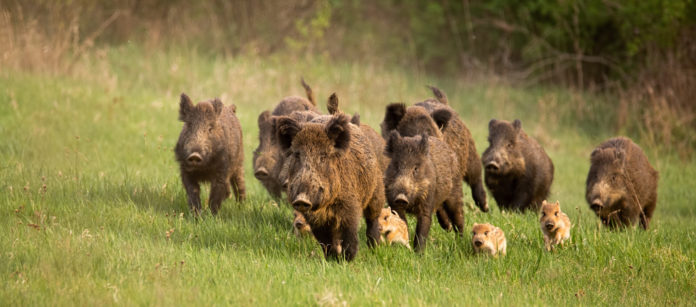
518	172
422	177
621	186
210	150
268	157
333	179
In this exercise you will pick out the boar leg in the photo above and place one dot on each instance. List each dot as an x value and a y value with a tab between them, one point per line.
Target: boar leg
219	191
371	214
455	211
647	215
443	219
193	191
349	242
237	182
422	230
328	240
521	200
473	178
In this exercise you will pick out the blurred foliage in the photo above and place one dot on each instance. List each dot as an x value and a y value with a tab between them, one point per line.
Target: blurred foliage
537	39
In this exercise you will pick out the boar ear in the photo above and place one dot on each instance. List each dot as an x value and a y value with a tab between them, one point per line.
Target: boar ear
393	115
517	124
355	120
558	204
442	118
264	118
492	123
287	129
544	202
441	97
310	94
185	107
337	129
423	144
392	142
332	104
217	106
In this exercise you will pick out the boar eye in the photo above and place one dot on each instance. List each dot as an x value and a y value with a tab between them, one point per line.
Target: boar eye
556	213
485	233
543	213
210	128
509	145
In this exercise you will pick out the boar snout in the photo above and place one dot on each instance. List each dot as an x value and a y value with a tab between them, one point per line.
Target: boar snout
492	166
549	225
301	203
194	158
596	205
261	173
401	200
478	243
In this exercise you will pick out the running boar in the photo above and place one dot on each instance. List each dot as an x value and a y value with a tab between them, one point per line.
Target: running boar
333	179
210	149
268	157
437	119
518	171
555	225
459	138
621	186
488	239
299	224
393	227
422	177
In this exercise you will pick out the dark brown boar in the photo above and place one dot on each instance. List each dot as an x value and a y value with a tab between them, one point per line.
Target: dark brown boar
423	177
457	135
210	150
268	158
621	185
438	119
333	177
518	171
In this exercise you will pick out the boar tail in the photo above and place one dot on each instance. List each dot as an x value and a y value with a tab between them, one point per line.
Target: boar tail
310	94
332	104
441	97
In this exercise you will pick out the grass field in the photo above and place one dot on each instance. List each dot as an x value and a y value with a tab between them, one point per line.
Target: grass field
93	213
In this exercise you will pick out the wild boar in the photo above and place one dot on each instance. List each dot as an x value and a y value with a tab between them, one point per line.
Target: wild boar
333	179
438	119
488	239
210	149
555	225
518	172
621	186
457	135
421	178
268	158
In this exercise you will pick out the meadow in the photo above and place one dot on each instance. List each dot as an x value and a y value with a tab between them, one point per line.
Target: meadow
92	210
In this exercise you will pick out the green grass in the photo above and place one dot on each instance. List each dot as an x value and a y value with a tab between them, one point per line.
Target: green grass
89	189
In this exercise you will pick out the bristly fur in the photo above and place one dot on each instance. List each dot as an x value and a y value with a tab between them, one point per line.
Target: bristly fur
213	137
621	186
519	173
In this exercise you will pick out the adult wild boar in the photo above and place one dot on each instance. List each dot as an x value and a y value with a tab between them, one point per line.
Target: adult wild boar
436	118
621	186
518	171
333	179
210	150
457	135
421	178
268	157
